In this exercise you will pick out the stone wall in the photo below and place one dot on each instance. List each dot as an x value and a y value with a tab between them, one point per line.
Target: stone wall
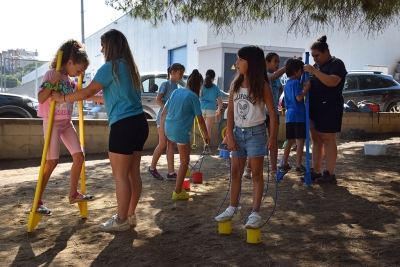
23	138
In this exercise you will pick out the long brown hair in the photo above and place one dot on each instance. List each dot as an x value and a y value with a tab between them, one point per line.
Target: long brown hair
116	48
195	81
72	50
256	73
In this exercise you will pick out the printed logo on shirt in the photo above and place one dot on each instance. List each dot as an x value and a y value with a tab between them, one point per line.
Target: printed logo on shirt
242	104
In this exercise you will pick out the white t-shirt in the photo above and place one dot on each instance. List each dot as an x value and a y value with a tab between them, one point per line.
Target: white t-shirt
246	113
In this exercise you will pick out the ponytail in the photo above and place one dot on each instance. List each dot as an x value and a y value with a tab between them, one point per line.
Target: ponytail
169	73
210	74
72	50
194	82
175	67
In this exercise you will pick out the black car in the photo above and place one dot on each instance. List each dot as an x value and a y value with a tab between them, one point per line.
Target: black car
372	86
17	106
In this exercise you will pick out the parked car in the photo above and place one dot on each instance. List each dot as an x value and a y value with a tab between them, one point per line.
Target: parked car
225	99
369	85
17	106
372	86
151	82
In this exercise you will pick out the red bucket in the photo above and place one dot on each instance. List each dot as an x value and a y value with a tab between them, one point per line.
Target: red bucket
372	105
186	184
197	177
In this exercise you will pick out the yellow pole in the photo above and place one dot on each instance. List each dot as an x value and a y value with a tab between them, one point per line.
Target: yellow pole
194	145
34	217
82	205
201	132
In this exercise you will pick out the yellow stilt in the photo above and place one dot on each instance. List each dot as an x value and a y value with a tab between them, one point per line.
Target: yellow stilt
225	228
82	206
34	218
194	145
254	236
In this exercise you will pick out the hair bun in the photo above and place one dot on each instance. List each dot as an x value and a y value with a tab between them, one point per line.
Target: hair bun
322	39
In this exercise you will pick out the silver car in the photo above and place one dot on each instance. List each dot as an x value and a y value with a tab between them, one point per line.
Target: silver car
151	82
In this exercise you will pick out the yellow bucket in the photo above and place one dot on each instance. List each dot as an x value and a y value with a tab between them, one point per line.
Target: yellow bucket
225	228
254	236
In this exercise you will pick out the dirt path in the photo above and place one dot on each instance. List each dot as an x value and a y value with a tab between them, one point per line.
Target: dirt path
353	223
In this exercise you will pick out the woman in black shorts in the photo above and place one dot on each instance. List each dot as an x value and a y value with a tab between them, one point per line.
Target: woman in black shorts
327	79
119	80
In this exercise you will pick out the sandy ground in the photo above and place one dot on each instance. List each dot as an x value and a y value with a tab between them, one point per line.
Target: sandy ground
353	223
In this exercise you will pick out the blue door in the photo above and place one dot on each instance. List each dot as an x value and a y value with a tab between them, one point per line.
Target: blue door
177	55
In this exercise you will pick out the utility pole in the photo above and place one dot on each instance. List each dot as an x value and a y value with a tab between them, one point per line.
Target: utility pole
82	23
1	73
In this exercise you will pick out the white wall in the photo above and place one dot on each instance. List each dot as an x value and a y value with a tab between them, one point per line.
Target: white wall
149	45
355	49
212	56
40	73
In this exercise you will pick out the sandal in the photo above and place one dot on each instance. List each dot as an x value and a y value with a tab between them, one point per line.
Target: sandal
42	209
83	198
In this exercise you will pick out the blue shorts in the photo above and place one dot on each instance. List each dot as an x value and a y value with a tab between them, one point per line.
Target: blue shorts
251	141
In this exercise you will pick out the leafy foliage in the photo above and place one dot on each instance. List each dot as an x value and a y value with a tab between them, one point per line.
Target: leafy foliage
11	81
22	71
305	16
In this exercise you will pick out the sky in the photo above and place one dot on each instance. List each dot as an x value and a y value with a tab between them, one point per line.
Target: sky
43	25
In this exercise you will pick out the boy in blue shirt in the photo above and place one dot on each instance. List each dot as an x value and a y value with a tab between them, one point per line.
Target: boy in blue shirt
295	113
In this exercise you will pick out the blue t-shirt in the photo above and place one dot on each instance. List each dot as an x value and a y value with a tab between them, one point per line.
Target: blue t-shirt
183	106
121	98
166	88
295	110
275	86
208	97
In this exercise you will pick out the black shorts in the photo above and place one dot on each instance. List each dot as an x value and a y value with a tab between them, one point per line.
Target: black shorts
327	116
295	130
267	120
128	135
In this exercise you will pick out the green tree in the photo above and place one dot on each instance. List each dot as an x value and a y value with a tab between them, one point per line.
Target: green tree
305	16
11	81
19	72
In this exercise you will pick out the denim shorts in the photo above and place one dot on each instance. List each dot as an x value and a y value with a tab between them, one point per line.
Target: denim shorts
251	141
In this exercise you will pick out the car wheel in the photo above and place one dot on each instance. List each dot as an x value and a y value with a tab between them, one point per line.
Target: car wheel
393	108
14	112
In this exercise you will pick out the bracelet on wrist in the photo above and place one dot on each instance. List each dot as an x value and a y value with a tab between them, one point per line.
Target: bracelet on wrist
49	85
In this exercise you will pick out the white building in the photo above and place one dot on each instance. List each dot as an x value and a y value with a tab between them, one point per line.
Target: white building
196	46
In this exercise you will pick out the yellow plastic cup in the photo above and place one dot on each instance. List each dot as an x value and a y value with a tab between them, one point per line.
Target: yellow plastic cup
254	236
225	228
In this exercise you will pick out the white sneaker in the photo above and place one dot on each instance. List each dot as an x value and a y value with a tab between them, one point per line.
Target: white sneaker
247	173
226	216
254	222
132	220
114	224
